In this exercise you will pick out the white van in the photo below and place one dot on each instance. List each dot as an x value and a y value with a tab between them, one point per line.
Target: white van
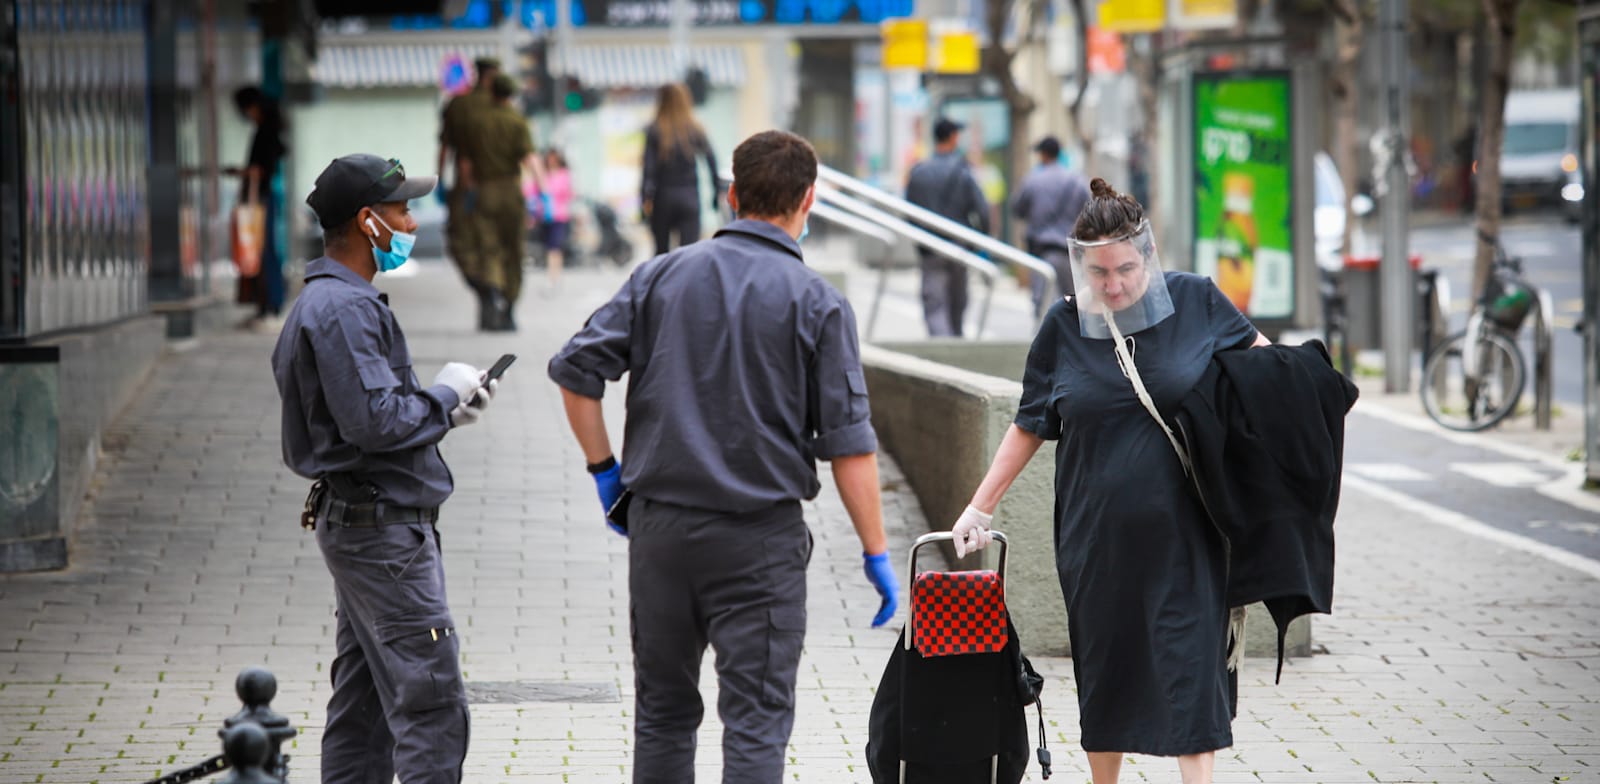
1540	154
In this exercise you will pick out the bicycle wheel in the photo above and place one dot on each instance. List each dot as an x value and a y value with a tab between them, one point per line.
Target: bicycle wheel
1460	403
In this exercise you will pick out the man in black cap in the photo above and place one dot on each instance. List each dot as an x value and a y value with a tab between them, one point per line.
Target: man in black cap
356	420
459	124
944	184
1049	200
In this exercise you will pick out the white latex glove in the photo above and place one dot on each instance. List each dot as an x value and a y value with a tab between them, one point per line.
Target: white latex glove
461	377
481	399
464	415
971	531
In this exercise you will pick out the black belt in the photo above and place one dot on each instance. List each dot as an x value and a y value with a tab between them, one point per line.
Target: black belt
373	515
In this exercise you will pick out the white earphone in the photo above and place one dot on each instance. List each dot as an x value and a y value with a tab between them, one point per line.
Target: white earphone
374	228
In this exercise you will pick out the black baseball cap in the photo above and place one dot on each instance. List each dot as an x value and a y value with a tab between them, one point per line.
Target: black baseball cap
1049	146
362	180
945	128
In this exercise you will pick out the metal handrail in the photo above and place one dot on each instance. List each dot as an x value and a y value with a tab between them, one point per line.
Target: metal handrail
836	206
942	225
859	225
830	197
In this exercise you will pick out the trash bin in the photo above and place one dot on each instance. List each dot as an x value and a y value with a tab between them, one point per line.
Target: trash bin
1363	299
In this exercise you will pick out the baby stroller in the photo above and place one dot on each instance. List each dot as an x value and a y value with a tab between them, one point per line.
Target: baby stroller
950	706
612	244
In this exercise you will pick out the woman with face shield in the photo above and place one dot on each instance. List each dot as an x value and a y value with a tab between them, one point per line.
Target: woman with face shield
1141	567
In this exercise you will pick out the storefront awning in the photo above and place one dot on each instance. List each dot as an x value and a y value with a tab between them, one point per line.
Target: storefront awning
612	67
389	65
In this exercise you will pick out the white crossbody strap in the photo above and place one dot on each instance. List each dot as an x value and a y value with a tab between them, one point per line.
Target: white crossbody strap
1125	361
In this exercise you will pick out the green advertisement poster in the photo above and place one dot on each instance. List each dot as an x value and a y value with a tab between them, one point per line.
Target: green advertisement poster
1243	177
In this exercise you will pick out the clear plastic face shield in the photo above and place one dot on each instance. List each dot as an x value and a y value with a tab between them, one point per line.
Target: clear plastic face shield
1119	281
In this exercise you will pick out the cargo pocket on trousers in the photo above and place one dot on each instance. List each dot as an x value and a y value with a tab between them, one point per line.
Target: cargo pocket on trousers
786	633
422	656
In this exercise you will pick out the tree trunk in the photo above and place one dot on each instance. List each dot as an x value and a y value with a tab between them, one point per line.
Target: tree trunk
1085	138
997	61
1348	31
1500	30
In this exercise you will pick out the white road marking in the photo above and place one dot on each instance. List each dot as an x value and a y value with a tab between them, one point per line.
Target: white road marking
1467	525
1580	527
1502	474
1568	488
1388	472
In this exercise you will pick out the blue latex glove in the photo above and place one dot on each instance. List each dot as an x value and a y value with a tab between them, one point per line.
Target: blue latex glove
609	484
881	574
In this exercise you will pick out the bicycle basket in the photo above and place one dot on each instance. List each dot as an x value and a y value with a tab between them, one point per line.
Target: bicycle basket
1508	303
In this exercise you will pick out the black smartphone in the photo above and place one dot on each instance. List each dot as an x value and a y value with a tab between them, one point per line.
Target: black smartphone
499	367
618	513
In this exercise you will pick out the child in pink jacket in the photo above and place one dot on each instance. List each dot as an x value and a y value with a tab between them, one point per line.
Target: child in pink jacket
556	198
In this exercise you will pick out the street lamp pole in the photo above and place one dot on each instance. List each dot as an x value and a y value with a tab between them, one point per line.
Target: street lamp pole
1398	288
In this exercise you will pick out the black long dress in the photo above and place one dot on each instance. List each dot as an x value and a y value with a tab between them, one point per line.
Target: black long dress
1141	567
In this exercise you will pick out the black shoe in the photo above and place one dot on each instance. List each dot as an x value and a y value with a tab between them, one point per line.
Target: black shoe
499	310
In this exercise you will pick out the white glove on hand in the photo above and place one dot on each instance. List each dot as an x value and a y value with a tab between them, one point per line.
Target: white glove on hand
464	415
481	398
971	531
461	377
471	409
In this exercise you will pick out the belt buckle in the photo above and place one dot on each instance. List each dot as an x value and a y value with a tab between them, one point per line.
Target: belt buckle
308	518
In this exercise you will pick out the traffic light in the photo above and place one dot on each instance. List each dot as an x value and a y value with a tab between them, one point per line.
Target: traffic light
538	86
698	84
576	97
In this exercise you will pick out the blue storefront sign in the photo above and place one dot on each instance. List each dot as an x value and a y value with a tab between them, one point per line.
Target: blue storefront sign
537	14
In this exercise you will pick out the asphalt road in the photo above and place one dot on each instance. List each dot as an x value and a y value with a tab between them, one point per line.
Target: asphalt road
1551	252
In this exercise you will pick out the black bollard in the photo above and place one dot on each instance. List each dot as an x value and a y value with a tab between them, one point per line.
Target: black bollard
256	688
246	746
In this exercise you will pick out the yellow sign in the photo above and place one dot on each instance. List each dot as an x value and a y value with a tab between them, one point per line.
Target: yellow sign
957	53
1204	14
1133	16
905	44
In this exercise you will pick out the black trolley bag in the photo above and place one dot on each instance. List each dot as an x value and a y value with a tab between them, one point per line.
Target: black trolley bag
950	708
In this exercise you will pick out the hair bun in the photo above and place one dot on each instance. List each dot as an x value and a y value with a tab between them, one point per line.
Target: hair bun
1100	190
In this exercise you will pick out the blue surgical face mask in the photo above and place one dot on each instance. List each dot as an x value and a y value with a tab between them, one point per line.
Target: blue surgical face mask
400	245
805	228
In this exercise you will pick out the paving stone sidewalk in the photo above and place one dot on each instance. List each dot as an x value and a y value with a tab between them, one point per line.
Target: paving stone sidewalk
1450	659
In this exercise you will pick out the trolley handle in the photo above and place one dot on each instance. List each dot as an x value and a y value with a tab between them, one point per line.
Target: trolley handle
911	571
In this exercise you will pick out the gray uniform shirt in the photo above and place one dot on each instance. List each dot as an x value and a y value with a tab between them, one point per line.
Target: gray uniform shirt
944	184
1049	200
744	369
351	402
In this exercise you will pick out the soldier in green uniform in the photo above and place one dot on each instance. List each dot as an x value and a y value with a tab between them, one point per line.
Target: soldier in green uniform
499	150
459	123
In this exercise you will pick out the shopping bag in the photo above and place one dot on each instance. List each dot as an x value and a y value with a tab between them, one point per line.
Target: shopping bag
248	231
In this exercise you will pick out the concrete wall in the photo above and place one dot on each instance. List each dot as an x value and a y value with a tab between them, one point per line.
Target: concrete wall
940	408
98	373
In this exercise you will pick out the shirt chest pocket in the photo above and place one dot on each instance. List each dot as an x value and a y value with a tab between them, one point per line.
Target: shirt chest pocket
393	372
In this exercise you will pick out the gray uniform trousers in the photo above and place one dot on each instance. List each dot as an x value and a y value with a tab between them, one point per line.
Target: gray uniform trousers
399	704
1061	260
737	582
944	294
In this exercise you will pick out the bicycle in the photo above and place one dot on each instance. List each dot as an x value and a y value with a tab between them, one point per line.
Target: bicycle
1474	379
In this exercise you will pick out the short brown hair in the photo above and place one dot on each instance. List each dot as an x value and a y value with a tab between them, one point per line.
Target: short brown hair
1108	214
771	172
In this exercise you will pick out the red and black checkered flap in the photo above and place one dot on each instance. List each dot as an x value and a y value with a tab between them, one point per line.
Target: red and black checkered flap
958	612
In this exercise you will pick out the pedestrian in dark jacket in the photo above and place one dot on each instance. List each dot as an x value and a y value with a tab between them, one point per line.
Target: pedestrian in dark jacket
1142	569
669	188
944	184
